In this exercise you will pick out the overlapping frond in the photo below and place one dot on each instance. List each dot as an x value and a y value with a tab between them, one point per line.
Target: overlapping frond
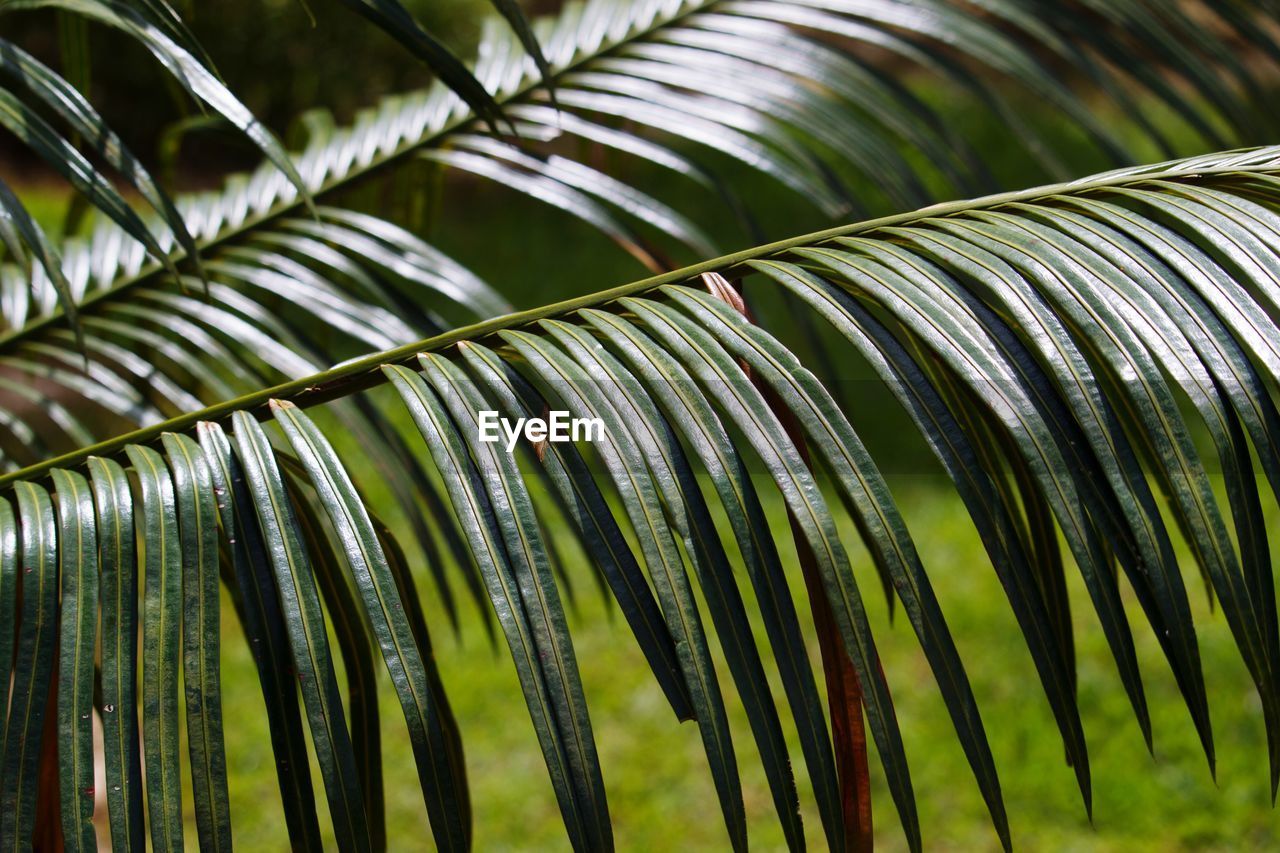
818	94
1061	349
40	275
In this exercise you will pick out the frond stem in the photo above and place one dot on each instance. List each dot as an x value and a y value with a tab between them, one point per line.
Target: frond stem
364	372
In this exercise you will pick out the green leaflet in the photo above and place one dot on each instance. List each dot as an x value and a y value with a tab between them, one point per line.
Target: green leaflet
78	612
514	15
417	623
198	534
602	537
37	639
1150	408
18	222
407	489
187	70
9	580
264	628
1190	342
13	245
513	511
870	504
950	327
161	622
398	23
304	620
73	107
357	660
117	560
41	137
992	512
1125	517
163	13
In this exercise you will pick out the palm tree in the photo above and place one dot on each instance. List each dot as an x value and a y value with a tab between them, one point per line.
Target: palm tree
171	419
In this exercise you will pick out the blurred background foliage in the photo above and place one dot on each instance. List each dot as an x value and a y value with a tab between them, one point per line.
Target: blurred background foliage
281	57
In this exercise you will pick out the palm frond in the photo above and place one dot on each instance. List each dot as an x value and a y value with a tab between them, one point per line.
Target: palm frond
289	294
1055	332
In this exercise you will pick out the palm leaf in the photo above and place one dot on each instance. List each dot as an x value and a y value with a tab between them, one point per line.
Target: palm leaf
1054	355
78	622
36	627
113	502
160	558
